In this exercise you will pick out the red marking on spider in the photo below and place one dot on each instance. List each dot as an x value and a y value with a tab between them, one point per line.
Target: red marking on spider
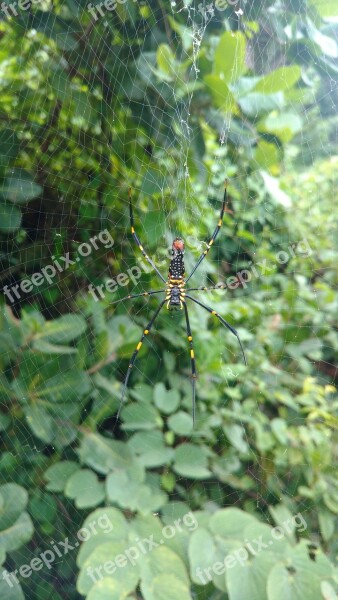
178	244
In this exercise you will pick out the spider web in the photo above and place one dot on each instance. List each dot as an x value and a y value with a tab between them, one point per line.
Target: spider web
196	191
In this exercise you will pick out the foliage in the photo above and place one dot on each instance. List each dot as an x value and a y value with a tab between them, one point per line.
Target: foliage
76	133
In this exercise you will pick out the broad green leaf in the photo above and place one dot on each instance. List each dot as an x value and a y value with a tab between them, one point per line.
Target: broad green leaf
257	104
17	534
62	330
165	59
85	489
191	462
13	500
267	156
326	8
45	347
275	192
166	401
284	125
58	474
40	422
222	96
230	522
280	80
140	416
11	590
101	526
70	386
229	61
104	559
130	494
157	566
181	423
150	447
166	587
202	554
248	579
104	455
108	589
19	187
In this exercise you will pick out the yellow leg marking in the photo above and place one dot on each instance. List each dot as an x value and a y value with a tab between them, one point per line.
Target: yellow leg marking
192	354
189	338
132	230
146	331
214	312
220	223
205	251
138	345
211	242
141	248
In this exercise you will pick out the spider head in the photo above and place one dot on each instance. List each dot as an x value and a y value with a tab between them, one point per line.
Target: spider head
178	246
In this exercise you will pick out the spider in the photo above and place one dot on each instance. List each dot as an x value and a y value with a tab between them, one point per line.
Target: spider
176	296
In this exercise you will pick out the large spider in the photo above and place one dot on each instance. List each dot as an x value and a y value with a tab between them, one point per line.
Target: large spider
176	296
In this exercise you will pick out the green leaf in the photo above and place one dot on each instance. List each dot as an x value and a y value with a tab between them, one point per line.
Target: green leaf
166	401
84	487
10	217
8	592
140	416
284	125
166	60
163	570
328	592
280	80
202	554
62	330
230	522
46	348
267	156
102	558
326	8
129	493
14	500
70	386
17	534
181	423
104	524
150	448
248	579
275	192
104	455
191	461
19	187
58	474
222	96
229	61
108	589
40	422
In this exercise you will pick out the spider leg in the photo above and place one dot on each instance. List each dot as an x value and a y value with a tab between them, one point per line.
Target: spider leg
138	241
137	296
214	235
136	351
193	363
206	289
223	321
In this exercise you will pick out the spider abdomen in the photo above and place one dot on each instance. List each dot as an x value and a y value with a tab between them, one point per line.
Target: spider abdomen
175	293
